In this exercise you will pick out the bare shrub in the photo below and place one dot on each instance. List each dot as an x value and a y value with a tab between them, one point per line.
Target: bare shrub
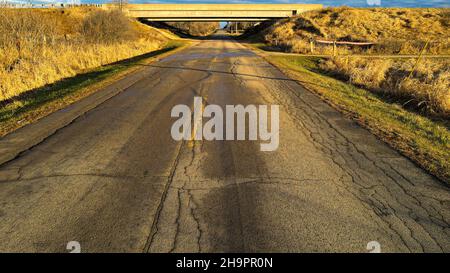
25	30
107	27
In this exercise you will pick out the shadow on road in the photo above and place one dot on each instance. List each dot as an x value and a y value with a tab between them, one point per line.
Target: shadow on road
232	74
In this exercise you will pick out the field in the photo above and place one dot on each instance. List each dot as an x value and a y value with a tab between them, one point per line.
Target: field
41	47
393	31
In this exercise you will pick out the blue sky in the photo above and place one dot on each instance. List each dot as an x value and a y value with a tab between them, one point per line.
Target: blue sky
354	3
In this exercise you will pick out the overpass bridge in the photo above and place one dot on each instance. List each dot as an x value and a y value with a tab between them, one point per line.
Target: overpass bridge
215	12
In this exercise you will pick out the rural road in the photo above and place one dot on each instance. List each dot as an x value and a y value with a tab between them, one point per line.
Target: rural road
115	180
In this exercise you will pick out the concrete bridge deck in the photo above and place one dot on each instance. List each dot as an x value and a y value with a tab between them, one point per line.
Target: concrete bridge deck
216	12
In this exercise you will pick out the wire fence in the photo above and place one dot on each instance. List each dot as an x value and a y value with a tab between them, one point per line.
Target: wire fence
335	44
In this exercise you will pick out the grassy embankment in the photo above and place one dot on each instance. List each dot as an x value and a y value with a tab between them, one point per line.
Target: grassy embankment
410	111
52	58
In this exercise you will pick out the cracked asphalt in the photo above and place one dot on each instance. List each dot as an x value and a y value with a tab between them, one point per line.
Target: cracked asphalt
115	181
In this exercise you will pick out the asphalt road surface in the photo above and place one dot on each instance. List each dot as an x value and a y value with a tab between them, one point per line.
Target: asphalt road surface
115	181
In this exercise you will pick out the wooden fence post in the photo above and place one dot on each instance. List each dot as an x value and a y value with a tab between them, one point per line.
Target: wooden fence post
334	48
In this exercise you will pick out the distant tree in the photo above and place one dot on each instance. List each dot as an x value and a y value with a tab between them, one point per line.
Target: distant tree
241	26
107	27
196	28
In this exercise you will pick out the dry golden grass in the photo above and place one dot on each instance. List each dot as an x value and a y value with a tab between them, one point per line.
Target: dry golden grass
395	30
427	88
39	47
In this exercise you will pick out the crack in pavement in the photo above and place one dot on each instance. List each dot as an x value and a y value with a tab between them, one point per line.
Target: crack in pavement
154	227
